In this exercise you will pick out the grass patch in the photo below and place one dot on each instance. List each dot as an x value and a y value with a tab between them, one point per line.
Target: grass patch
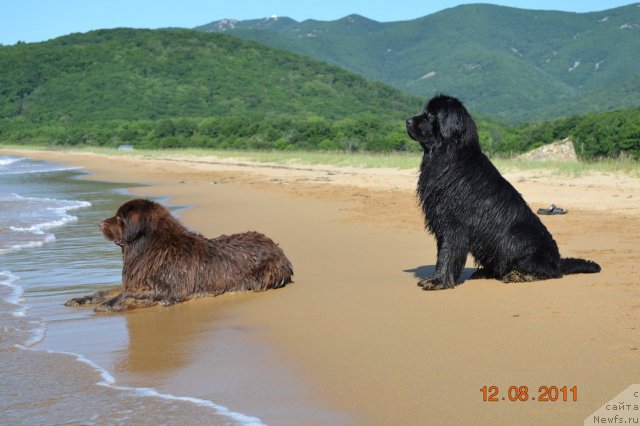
622	165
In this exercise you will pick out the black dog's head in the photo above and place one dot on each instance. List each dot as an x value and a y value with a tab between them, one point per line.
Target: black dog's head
444	123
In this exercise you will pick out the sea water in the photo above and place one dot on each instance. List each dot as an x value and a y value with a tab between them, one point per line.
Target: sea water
50	249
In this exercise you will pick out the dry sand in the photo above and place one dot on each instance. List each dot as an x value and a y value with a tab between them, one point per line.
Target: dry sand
361	338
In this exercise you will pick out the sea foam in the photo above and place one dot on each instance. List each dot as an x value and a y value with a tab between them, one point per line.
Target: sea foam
24	220
10	165
109	381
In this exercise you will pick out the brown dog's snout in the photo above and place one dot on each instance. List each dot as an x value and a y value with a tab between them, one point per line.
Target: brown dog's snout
105	229
111	234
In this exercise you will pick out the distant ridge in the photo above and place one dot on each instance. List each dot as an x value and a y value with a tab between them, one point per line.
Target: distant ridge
510	63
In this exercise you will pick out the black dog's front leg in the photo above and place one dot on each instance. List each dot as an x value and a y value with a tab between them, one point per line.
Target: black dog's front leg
452	255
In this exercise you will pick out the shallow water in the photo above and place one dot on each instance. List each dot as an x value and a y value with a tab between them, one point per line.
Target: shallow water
50	250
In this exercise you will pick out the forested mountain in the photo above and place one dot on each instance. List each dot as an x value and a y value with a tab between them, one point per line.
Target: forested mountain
168	88
178	88
150	74
510	63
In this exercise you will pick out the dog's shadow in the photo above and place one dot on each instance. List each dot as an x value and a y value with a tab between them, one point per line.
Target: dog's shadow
426	271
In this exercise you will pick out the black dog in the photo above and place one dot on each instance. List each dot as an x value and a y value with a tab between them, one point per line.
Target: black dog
470	207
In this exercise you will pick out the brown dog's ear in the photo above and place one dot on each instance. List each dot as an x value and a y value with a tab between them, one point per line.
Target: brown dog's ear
135	217
134	227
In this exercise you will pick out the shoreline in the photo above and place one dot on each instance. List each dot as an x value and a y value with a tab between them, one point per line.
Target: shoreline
354	327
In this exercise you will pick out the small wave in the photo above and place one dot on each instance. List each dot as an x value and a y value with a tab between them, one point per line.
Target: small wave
38	332
109	381
73	204
10	165
6	161
17	246
25	220
63	218
41	170
7	279
35	328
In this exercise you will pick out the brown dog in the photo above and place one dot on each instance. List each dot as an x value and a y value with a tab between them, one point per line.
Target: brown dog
165	263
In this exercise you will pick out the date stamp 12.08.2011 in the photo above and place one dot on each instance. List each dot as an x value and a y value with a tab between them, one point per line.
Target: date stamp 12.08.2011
524	393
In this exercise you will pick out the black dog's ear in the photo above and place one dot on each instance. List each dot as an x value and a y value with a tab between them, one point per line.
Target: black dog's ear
451	123
456	125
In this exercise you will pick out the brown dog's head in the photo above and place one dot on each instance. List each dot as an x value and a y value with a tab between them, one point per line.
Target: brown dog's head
444	122
133	220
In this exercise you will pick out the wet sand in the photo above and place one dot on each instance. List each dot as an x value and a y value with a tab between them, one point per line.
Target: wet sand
353	340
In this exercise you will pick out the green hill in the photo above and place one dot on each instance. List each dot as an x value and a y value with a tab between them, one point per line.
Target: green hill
510	63
145	74
110	86
178	88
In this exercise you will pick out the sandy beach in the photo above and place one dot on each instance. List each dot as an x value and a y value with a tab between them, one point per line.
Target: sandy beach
353	333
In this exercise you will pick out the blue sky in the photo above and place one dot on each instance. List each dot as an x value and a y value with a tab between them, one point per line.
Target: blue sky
38	20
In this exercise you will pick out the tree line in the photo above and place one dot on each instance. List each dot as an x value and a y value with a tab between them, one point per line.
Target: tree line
594	135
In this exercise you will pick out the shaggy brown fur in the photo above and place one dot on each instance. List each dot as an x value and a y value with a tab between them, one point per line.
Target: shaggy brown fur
165	263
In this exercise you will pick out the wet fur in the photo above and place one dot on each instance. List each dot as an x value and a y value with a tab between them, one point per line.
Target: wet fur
166	263
470	208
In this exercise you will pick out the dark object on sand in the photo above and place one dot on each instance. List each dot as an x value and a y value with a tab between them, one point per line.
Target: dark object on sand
552	209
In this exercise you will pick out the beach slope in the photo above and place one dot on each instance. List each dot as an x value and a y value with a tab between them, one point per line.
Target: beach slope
354	327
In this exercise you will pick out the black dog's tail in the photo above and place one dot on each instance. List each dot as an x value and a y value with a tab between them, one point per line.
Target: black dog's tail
571	265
